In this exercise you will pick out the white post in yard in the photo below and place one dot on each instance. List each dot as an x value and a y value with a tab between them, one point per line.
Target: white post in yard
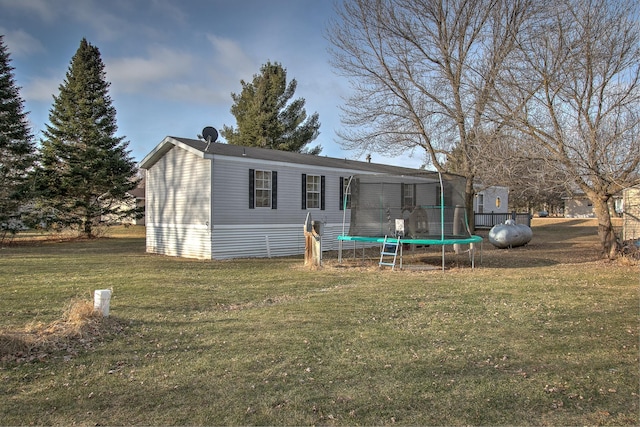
101	299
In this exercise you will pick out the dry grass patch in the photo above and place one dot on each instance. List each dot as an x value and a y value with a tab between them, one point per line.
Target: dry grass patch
81	324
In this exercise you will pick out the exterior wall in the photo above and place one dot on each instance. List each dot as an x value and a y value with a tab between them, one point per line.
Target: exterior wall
631	214
179	240
489	197
184	217
231	194
578	208
178	205
268	240
261	232
199	207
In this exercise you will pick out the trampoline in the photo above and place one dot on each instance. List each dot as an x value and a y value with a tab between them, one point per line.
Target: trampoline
425	209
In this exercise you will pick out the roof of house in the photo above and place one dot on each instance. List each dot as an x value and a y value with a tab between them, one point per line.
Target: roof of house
204	150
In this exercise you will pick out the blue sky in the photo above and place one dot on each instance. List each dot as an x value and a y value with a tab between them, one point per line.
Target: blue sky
173	64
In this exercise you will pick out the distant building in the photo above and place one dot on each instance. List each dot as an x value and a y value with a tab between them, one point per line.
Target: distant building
631	213
491	200
578	206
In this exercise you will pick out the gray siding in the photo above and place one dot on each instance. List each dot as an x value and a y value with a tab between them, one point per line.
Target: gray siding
178	205
231	194
260	232
269	240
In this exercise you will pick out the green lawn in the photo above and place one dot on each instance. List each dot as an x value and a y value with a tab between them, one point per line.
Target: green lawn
526	338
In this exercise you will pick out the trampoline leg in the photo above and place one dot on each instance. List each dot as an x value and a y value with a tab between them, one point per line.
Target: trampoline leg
473	256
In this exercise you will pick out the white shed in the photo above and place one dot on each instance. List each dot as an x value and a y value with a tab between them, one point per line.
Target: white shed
631	213
491	200
227	201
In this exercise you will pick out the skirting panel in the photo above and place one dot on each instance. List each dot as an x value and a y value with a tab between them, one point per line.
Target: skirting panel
174	240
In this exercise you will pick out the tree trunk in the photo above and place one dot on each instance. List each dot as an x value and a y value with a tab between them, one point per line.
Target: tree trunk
605	228
88	223
87	227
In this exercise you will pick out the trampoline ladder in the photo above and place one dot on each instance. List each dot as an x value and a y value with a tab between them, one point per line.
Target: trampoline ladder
389	249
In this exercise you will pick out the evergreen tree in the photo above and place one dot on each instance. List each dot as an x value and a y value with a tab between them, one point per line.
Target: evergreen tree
16	148
264	117
86	170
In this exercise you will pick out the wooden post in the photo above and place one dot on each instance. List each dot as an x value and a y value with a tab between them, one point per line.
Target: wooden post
312	243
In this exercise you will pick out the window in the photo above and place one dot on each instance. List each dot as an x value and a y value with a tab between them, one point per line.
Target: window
408	196
345	190
262	189
480	203
498	202
312	191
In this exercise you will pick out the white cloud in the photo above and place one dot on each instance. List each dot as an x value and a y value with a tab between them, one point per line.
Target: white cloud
133	74
20	43
107	25
172	74
44	9
42	89
195	93
169	9
229	55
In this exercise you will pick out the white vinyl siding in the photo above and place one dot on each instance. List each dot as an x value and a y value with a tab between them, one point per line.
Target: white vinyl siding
269	240
178	205
491	200
178	190
631	213
179	240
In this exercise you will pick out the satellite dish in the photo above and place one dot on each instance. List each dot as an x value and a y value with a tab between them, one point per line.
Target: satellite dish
209	134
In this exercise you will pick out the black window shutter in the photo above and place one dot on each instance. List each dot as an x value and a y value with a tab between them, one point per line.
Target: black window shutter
252	188
274	190
322	179
341	193
402	196
304	191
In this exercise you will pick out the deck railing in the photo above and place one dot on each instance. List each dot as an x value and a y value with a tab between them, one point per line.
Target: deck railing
488	220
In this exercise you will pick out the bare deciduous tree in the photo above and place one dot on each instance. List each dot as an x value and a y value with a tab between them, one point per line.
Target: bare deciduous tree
423	73
511	160
574	91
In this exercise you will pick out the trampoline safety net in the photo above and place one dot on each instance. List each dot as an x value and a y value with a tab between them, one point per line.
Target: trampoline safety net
427	205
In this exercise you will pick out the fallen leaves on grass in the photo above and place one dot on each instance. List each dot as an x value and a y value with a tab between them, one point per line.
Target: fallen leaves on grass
80	327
